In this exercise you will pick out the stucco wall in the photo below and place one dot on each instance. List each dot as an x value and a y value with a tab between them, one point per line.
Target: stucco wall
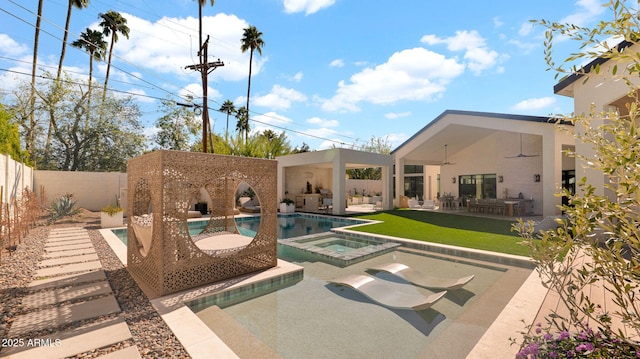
296	179
14	178
489	155
92	190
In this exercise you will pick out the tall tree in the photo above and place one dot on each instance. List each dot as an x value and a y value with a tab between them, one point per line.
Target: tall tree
30	142
91	41
243	122
177	127
80	4
10	137
251	41
229	108
112	23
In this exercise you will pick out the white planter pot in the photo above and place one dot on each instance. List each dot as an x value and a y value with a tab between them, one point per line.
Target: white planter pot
107	221
356	200
366	200
287	208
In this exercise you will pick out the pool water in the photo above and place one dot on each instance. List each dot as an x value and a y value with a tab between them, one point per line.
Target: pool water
316	319
337	249
289	226
297	225
341	245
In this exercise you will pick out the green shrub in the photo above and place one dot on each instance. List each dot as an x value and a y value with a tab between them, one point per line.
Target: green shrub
63	206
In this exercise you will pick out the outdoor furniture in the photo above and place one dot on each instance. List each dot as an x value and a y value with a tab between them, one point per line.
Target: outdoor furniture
167	182
510	207
420	279
378	291
413	203
327	204
429	204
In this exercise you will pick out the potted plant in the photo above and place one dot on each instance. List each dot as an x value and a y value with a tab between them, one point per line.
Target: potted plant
287	206
111	216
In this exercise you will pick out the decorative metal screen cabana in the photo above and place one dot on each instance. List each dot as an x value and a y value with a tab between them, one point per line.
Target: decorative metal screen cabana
160	249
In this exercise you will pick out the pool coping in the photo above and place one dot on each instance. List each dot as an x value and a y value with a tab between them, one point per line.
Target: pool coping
201	342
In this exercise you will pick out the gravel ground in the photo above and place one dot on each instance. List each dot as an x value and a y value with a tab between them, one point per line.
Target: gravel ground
150	334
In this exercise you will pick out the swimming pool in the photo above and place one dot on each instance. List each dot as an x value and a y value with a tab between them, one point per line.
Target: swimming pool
289	225
337	249
316	319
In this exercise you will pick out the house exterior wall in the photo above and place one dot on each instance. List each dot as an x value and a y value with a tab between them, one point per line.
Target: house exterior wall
597	94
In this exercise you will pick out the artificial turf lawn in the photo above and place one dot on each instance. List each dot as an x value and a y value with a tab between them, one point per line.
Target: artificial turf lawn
458	230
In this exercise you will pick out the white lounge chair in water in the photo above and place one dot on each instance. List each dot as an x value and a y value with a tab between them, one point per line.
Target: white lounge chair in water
378	291
418	278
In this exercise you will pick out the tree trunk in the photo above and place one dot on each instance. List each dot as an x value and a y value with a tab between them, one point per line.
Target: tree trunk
30	142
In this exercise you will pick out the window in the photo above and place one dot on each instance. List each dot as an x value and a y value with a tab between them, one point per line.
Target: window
477	186
414	186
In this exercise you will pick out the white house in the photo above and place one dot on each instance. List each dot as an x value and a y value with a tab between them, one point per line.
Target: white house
489	155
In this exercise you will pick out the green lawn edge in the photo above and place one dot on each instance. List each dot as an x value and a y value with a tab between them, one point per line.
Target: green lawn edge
488	234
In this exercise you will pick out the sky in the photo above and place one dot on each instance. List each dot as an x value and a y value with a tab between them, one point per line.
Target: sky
331	73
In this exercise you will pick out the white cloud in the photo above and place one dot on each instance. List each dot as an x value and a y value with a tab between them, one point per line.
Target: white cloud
308	6
270	120
413	74
337	63
394	115
477	55
10	47
497	22
534	104
165	47
134	92
396	139
194	91
279	98
525	28
588	10
297	77
322	122
526	47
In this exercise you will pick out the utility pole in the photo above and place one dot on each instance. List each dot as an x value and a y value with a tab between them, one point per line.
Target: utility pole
205	68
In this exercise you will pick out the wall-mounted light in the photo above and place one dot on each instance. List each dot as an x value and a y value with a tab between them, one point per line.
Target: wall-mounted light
500	179
536	178
453	180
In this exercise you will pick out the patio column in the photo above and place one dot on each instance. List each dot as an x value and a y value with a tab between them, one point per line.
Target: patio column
399	179
339	184
551	171
387	187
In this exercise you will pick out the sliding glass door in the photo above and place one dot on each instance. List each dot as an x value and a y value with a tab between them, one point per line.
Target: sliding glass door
477	186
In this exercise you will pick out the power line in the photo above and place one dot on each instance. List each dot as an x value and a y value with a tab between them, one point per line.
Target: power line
154	86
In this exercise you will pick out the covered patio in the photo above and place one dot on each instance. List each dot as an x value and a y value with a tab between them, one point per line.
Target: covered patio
490	156
310	178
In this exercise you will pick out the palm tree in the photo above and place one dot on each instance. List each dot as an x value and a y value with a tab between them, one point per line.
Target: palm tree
112	23
227	107
251	40
243	122
91	41
30	135
80	4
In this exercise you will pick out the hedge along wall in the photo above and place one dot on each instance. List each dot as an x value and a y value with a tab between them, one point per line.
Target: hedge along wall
91	190
14	178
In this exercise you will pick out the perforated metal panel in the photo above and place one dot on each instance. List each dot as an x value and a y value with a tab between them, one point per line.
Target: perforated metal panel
163	183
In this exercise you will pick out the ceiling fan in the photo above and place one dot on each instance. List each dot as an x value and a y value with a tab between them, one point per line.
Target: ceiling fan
521	155
446	162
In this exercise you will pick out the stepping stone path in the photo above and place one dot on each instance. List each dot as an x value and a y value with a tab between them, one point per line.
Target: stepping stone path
70	287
